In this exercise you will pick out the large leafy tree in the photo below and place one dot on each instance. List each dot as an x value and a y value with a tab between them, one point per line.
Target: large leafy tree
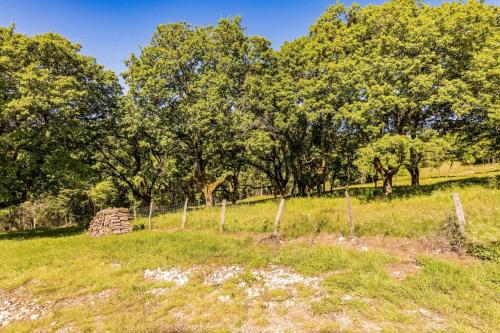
479	107
386	155
193	79
137	154
53	102
400	68
296	133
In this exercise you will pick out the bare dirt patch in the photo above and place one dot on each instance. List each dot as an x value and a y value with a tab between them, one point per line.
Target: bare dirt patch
89	299
428	319
18	304
274	299
401	270
406	248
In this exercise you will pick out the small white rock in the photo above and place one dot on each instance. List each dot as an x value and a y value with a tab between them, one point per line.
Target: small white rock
174	275
253	292
223	274
425	312
224	298
158	291
343	320
34	316
346	298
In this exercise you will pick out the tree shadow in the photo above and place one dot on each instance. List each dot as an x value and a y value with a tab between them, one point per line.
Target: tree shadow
368	194
42	233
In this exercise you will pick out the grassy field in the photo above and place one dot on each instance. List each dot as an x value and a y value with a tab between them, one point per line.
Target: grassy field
461	297
410	213
75	283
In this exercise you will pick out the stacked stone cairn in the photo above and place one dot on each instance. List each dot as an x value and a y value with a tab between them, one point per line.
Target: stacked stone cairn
110	221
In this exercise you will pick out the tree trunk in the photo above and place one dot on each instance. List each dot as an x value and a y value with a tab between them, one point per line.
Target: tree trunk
302	189
415	175
332	182
208	193
209	189
386	174
412	168
233	189
387	184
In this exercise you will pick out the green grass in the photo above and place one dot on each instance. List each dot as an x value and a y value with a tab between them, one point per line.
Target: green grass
410	213
65	267
62	264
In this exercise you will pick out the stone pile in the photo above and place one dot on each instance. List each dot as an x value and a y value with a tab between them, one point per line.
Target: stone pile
16	305
110	221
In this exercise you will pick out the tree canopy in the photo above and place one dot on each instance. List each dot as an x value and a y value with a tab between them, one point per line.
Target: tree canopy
210	112
54	103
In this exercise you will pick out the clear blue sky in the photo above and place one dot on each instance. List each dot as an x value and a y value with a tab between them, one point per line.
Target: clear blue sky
111	30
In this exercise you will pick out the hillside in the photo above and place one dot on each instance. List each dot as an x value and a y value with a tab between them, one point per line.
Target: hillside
409	213
398	274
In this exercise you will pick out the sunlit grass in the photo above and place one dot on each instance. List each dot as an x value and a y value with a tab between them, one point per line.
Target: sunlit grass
63	264
65	267
409	215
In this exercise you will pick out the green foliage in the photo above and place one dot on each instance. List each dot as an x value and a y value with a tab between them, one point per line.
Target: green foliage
370	92
44	212
53	101
392	150
485	252
191	81
103	194
405	67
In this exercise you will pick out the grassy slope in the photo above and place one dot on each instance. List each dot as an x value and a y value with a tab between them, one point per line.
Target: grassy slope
409	214
64	264
58	268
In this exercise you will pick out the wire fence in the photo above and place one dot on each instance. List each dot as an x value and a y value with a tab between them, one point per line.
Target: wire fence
153	210
157	210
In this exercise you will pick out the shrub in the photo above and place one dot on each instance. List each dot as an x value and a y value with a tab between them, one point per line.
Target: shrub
485	251
48	211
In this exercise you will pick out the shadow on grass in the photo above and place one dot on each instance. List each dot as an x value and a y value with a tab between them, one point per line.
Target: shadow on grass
462	175
42	233
368	194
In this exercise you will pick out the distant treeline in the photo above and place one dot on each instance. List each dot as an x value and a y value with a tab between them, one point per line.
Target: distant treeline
212	112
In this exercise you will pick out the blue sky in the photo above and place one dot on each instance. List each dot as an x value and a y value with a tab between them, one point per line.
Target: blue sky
112	30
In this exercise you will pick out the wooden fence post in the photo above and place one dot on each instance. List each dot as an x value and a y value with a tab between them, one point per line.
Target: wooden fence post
222	215
349	214
459	212
184	213
278	217
150	214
